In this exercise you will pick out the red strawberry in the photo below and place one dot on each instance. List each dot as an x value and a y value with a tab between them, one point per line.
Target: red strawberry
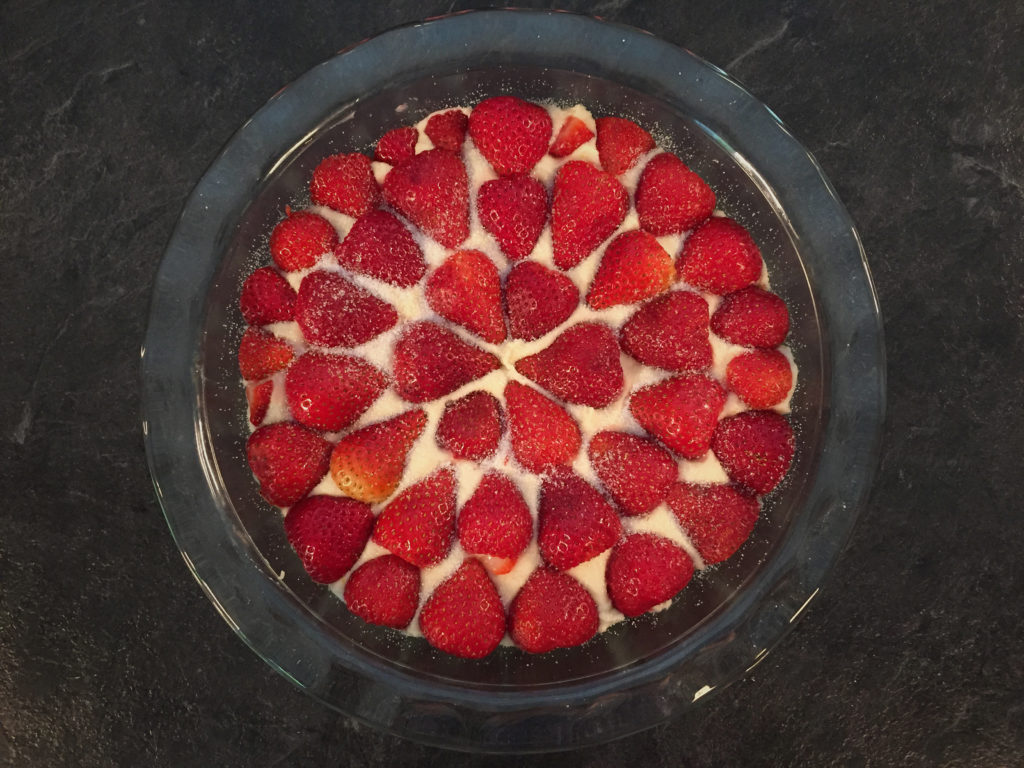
671	198
288	461
447	129
670	332
266	298
621	143
368	464
328	534
329	392
538	300
379	245
716	518
345	183
645	570
496	523
464	615
573	134
543	435
431	362
636	472
510	133
431	189
384	591
762	378
681	412
634	267
576	523
514	209
397	145
586	207
720	257
261	354
580	366
334	312
752	317
471	427
466	290
258	396
552	610
299	240
755	448
418	525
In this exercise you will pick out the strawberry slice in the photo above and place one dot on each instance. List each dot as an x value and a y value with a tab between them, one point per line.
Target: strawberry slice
471	426
580	366
464	615
398	145
576	523
367	465
258	397
466	290
495	522
345	183
635	471
431	362
752	317
447	130
543	435
514	209
645	570
266	298
762	378
301	239
288	461
720	257
681	412
551	611
261	353
431	189
328	534
379	245
670	332
755	448
670	198
573	134
334	312
510	133
329	392
538	300
634	267
418	525
587	206
716	518
621	143
384	591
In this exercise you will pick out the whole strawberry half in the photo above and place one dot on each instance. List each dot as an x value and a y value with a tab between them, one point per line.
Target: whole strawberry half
761	378
542	434
471	426
334	312
379	245
261	353
266	298
551	611
301	239
621	143
720	257
576	523
258	398
510	133
419	523
514	209
368	464
670	332
397	145
384	591
634	267
538	300
573	134
755	448
580	366
716	518
645	570
431	189
464	615
345	183
466	290
752	317
431	362
495	523
329	392
587	206
328	534
635	471
447	130
681	412
670	198
288	461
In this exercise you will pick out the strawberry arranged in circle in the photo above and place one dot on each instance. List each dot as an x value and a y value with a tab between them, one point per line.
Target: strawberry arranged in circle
368	464
431	189
258	398
418	525
301	239
671	198
261	353
538	300
514	209
510	133
471	426
634	267
335	312
329	392
447	130
755	448
552	610
379	245
328	534
720	257
431	362
587	206
636	472
466	290
644	571
573	134
464	615
384	591
345	183
495	523
576	523
681	412
288	461
542	434
397	145
670	332
761	378
752	317
621	143
716	518
580	366
266	298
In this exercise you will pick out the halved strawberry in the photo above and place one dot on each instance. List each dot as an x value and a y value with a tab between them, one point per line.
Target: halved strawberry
510	133
266	298
538	300
581	365
496	523
431	189
720	257
431	362
334	312
418	525
466	290
645	570
261	353
328	533
681	412
670	198
551	611
634	267
345	183
573	134
397	145
576	523
635	471
621	143
379	245
258	397
301	239
586	207
329	392
716	518
762	378
368	464
464	615
471	426
755	448
670	332
447	129
543	435
514	209
752	317
384	591
288	461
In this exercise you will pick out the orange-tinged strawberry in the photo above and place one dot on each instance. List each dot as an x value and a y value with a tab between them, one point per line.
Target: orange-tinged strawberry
752	317
670	198
397	145
328	534
464	615
551	611
510	133
755	448
368	464
587	206
266	298
645	570
288	460
466	290
447	130
418	525
471	426
575	523
384	591
431	362
621	143
580	366
543	435
720	257
634	267
379	245
514	209
762	377
538	300
431	189
573	134
329	392
301	239
670	332
258	397
635	471
716	518
335	312
345	183
682	412
261	353
495	523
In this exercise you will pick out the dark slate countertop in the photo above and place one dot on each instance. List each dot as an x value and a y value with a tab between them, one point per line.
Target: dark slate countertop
110	655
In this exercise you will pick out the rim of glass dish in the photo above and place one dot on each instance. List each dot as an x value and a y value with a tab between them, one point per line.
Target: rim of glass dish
575	713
